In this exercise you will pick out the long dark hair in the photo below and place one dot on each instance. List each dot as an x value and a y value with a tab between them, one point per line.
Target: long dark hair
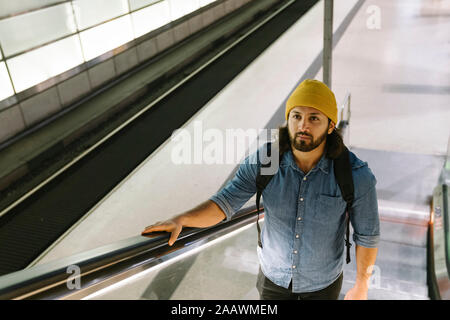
334	145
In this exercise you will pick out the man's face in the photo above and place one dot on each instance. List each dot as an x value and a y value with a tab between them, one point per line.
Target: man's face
308	128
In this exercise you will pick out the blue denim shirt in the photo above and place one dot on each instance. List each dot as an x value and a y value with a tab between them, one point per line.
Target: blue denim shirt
304	220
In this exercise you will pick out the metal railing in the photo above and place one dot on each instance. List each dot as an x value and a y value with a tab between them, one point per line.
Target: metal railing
344	114
444	178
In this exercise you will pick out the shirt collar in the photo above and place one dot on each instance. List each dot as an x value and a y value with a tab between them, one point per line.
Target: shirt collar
323	164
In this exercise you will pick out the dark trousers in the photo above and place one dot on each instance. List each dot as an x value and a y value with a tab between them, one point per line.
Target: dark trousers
270	291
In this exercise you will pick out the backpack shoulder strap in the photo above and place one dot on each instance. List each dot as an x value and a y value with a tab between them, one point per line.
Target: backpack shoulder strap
343	174
261	182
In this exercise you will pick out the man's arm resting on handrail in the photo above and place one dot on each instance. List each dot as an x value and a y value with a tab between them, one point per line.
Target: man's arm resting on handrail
204	215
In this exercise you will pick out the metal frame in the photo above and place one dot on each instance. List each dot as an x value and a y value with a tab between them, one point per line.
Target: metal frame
328	42
344	122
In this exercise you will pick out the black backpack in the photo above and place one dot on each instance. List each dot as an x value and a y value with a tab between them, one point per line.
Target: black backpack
343	174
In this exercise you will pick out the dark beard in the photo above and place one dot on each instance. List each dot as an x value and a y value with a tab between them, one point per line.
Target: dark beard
307	145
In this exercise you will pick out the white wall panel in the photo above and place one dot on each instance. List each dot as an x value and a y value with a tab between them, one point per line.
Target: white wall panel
150	18
107	36
43	63
9	7
25	31
92	12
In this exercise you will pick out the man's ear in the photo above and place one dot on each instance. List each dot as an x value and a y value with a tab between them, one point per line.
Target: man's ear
331	127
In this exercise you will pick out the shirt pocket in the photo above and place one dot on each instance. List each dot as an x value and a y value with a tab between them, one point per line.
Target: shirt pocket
329	208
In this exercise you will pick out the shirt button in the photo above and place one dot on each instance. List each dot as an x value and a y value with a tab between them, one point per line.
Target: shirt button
295	251
297	236
299	218
301	199
304	178
293	267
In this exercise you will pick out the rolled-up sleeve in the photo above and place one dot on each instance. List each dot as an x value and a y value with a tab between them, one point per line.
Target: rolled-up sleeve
239	189
364	214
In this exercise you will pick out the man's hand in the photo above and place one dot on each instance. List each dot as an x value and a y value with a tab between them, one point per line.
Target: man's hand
204	215
365	260
172	226
356	293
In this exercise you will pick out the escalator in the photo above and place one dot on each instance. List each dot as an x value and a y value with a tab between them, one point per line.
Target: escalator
28	228
220	262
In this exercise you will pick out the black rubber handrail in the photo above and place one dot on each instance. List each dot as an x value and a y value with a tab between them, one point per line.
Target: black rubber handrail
446	219
438	262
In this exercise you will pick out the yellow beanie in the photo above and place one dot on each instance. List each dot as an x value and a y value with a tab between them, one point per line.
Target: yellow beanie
314	94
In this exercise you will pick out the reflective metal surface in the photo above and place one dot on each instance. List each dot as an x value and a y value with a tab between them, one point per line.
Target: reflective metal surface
441	241
344	115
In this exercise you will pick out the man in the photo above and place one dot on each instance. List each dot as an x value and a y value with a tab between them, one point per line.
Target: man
303	234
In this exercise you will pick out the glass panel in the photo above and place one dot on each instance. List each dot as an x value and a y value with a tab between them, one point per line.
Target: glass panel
92	12
107	36
179	8
150	18
6	89
9	7
23	32
43	63
137	4
224	269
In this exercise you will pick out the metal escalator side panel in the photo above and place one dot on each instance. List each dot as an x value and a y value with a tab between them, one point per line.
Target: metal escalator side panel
438	268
